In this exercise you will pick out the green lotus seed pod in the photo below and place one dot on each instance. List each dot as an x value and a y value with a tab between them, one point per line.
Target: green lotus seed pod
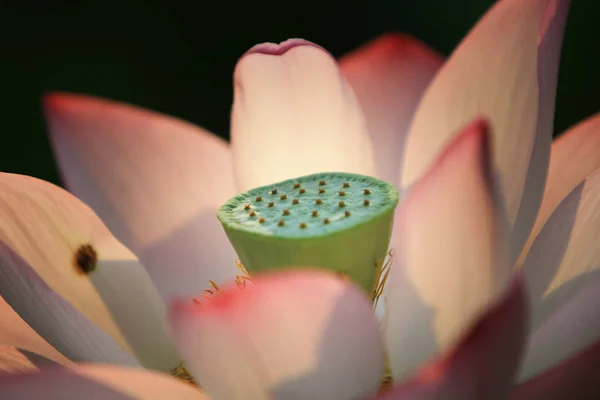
338	221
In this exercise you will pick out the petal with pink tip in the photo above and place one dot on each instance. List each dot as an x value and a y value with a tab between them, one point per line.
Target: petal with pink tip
565	254
302	334
64	273
505	69
15	332
389	76
568	329
294	114
451	257
574	156
154	180
96	382
482	365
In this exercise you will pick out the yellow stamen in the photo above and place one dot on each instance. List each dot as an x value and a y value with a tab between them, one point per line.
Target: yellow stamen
383	272
240	281
387	381
182	373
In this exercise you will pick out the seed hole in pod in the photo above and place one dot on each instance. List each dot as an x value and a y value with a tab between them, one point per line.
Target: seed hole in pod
295	201
367	191
259	198
302	190
283	196
281	223
342	193
321	190
246	206
302	225
315	213
318	201
366	202
347	213
252	213
296	185
271	204
261	220
326	221
341	204
286	212
274	191
346	185
322	183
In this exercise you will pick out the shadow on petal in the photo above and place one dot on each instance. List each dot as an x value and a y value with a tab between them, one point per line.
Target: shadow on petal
52	317
538	275
576	378
482	366
182	263
330	357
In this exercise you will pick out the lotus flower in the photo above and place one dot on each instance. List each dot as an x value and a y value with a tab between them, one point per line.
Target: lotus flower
492	290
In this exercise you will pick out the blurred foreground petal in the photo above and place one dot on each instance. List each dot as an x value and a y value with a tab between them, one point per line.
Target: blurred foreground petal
96	382
302	334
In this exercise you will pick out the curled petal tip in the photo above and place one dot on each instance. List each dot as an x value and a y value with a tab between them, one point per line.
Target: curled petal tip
275	49
54	100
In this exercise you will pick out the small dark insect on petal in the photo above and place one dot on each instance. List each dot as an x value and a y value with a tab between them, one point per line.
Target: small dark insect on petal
85	258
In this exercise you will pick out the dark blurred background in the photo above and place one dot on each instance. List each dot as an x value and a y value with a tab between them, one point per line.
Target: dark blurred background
177	56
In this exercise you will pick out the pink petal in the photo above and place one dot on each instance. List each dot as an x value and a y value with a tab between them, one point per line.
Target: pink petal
482	365
389	75
15	332
293	115
102	315
574	156
504	69
96	382
154	180
451	253
301	334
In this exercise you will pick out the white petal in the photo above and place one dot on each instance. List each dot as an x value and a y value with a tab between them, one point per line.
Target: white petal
15	332
573	157
96	382
566	252
42	228
571	329
389	76
505	69
155	181
293	115
289	336
450	261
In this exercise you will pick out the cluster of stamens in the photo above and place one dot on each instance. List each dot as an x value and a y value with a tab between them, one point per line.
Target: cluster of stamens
240	282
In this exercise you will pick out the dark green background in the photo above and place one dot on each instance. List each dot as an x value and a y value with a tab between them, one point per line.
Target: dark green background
177	57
